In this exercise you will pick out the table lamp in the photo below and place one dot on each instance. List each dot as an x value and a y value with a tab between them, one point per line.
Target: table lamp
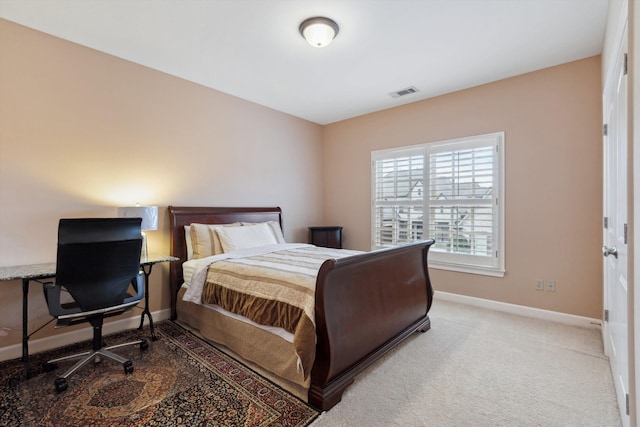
149	215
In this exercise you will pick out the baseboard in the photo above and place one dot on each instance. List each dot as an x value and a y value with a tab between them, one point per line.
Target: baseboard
55	341
48	343
521	310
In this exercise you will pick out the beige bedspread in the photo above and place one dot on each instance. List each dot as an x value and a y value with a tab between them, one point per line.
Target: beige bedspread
273	289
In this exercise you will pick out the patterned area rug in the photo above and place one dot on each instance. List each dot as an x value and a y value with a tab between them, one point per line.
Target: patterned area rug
179	380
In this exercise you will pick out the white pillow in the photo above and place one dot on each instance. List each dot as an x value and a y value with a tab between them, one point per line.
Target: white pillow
236	238
275	227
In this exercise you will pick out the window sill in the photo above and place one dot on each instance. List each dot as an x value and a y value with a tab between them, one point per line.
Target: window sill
471	269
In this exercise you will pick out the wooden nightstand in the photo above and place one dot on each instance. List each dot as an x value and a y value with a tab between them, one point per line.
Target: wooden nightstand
328	237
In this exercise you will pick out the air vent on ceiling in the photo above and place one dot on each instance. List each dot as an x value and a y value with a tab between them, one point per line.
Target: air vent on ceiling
403	92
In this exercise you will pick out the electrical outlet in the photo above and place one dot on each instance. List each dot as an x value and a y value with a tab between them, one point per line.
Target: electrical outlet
539	285
551	285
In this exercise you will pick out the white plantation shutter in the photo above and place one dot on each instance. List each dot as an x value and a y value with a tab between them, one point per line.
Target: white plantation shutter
398	197
451	191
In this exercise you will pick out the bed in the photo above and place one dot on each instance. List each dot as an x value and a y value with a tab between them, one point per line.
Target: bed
365	305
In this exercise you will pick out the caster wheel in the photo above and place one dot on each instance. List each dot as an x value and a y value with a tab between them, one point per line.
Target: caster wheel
128	367
61	384
48	367
144	345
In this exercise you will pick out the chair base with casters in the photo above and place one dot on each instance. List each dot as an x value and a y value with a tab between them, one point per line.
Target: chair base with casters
96	354
70	314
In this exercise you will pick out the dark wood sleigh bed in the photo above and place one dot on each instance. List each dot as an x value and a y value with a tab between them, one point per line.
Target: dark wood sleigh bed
365	305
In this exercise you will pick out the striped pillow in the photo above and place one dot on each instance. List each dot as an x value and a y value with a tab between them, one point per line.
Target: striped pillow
205	240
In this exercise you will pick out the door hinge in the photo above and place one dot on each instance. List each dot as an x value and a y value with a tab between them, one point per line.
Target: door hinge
625	64
626	397
625	234
605	130
606	315
606	222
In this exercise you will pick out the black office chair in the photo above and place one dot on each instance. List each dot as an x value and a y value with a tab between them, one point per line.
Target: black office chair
98	260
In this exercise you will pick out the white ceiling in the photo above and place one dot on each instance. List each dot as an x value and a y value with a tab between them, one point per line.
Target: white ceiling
252	48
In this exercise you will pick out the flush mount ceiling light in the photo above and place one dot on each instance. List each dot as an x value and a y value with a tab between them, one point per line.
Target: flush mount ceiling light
319	31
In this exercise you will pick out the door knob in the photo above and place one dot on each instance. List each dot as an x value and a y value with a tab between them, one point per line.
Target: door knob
606	251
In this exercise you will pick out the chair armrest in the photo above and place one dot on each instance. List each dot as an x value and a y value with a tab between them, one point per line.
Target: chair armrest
56	309
138	285
51	293
52	297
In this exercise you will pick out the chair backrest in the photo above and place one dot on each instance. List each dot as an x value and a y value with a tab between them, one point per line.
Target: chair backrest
97	259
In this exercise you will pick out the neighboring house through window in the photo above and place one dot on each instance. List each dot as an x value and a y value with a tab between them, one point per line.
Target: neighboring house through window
459	185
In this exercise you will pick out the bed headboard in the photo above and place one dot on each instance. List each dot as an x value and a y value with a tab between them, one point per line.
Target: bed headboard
179	216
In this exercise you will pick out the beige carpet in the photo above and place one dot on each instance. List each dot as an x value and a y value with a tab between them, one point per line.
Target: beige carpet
479	367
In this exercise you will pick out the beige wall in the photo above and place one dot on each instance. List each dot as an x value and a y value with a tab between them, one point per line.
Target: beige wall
82	132
552	124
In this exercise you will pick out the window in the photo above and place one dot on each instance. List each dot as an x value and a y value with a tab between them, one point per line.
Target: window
451	191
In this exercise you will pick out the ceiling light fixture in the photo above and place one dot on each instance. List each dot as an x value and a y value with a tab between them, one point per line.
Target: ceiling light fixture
319	31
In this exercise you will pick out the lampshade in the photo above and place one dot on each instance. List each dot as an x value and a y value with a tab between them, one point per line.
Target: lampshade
319	31
149	215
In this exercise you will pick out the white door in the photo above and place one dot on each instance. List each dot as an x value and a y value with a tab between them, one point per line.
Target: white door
615	231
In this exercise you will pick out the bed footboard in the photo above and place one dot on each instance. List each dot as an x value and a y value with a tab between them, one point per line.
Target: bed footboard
365	306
